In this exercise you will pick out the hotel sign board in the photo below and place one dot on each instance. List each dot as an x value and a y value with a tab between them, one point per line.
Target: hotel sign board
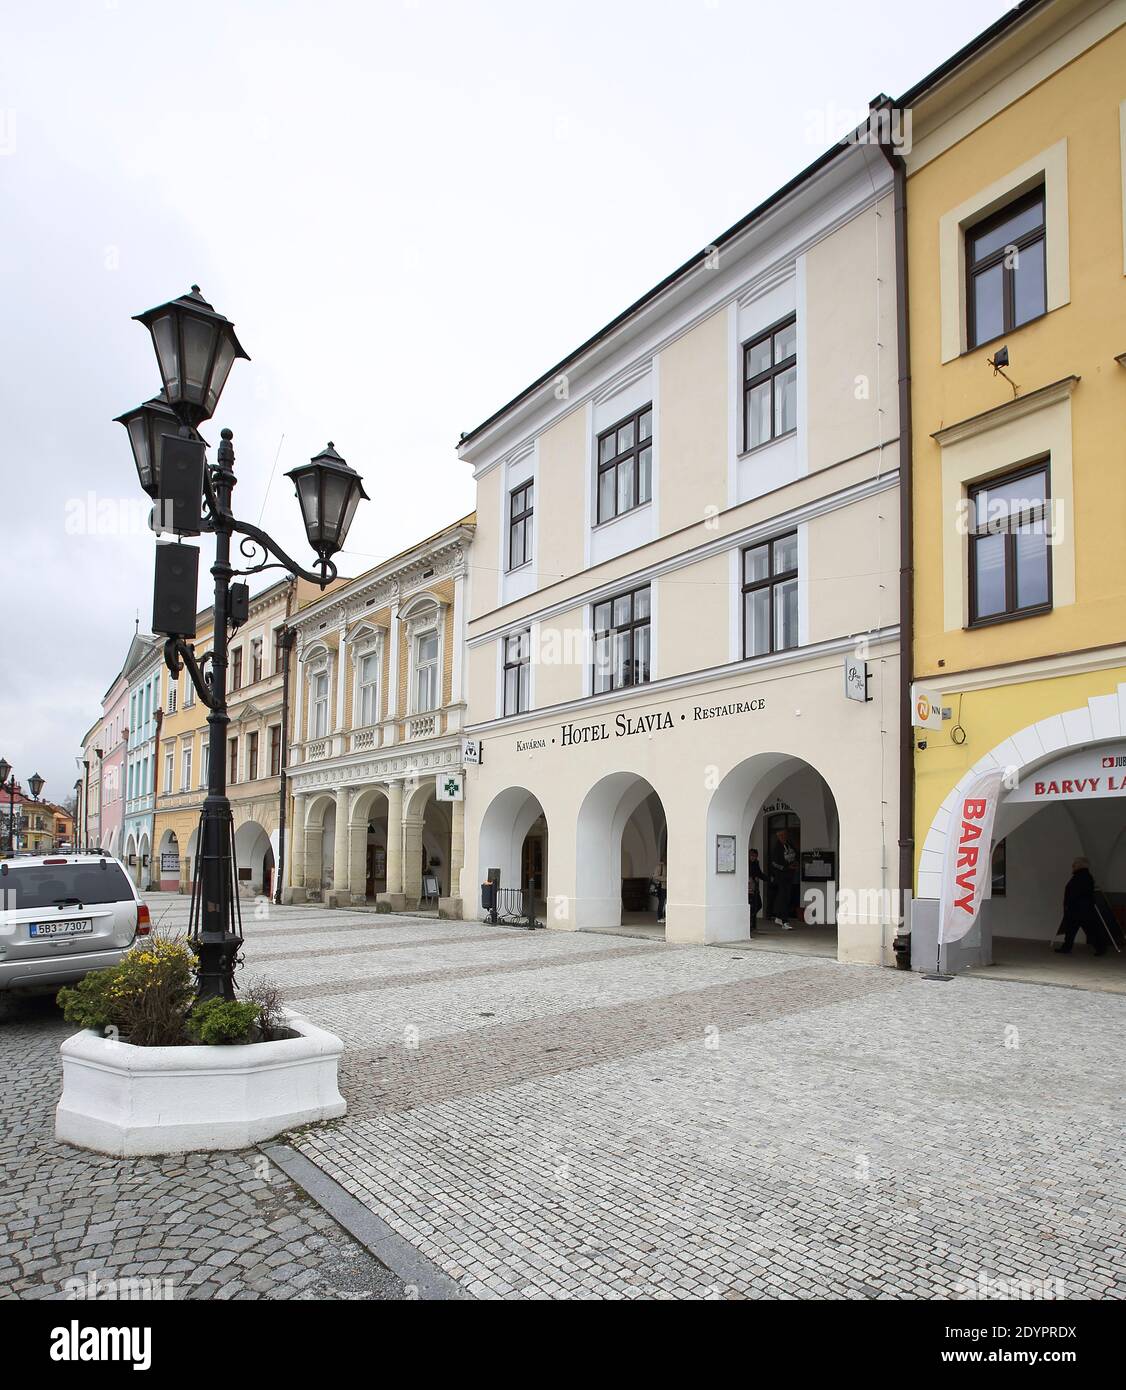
1085	774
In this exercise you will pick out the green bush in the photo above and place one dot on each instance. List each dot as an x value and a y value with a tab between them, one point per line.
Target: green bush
219	1021
146	997
87	1004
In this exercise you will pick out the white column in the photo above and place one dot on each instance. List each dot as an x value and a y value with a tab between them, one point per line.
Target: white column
393	671
459	639
297	844
395	837
296	735
340	845
338	722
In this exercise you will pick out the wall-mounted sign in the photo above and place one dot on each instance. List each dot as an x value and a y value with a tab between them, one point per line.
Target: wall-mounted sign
451	786
819	865
1083	775
856	679
170	862
926	709
725	854
471	751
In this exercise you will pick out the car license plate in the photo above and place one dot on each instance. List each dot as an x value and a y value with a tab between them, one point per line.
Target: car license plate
80	926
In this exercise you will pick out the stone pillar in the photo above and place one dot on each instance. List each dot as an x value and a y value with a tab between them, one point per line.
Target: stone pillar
412	859
294	892
340	895
451	906
358	861
393	897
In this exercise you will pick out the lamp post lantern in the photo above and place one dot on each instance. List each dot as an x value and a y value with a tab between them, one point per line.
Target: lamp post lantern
196	348
35	782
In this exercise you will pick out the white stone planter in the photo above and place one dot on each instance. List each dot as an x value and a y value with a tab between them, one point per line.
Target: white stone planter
122	1100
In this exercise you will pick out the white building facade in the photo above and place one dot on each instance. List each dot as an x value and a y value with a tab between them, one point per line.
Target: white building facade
378	717
684	531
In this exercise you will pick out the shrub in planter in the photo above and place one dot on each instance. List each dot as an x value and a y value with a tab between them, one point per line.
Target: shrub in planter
223	1021
271	1007
146	997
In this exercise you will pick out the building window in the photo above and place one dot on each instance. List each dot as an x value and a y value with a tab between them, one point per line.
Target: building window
189	692
622	641
1010	566
369	688
252	756
520	508
517	672
625	464
186	768
256	659
236	669
275	750
169	765
232	760
320	704
171	697
204	762
279	650
770	596
426	672
770	384
1006	270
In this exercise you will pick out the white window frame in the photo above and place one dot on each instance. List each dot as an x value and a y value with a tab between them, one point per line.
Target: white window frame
186	767
425	616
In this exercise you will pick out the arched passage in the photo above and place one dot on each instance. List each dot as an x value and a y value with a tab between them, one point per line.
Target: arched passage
255	858
621	848
782	808
427	844
169	862
320	831
513	841
367	843
144	862
132	859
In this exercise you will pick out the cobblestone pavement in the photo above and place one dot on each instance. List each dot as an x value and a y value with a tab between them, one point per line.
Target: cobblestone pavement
79	1225
555	1115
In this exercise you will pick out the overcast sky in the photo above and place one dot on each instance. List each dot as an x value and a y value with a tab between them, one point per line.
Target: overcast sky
410	209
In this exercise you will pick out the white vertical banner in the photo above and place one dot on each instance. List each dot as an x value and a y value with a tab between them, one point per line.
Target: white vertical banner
967	862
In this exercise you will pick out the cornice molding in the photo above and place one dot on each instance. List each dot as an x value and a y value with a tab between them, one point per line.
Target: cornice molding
1005	414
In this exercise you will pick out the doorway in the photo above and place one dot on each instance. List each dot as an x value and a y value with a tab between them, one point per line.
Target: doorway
781	863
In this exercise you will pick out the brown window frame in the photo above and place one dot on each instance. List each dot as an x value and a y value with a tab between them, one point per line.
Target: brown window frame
236	670
775	369
275	750
772	579
256	646
252	756
618	460
1008	273
232	760
633	626
520	665
524	496
1011	612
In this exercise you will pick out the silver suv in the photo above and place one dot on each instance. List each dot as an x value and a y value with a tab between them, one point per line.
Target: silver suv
63	915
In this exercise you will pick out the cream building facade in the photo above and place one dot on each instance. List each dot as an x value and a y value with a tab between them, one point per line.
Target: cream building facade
378	719
684	530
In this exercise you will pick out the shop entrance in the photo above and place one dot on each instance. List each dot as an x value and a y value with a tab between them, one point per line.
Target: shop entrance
1035	849
514	852
780	861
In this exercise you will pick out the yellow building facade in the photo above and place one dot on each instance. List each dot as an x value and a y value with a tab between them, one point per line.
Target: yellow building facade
181	771
1016	189
376	773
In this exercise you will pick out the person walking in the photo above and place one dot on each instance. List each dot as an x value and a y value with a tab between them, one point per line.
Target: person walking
755	876
1079	911
783	871
660	887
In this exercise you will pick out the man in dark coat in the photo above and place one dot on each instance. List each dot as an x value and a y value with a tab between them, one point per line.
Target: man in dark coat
1079	911
783	872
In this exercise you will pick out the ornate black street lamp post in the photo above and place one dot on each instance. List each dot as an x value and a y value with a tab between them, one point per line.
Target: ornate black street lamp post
196	348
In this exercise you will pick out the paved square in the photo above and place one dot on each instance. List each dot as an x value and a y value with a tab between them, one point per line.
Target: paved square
554	1115
573	1115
